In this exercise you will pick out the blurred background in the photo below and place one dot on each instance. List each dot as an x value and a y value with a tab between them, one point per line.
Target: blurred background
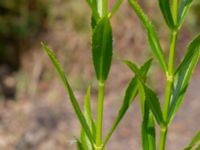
35	113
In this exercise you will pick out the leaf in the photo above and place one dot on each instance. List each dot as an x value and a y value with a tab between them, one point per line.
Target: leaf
116	7
130	94
154	105
79	145
88	113
102	48
166	11
156	48
70	92
150	96
183	10
148	125
183	75
194	141
151	34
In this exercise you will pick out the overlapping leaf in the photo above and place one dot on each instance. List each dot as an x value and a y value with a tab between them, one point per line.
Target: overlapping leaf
68	88
130	94
102	48
183	75
150	96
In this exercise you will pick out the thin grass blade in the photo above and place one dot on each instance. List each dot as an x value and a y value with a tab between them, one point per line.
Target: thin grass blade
68	88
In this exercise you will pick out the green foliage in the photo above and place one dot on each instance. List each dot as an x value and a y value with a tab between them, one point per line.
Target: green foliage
151	111
102	48
194	142
70	92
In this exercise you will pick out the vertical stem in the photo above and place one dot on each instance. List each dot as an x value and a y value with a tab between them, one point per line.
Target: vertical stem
99	120
170	76
169	83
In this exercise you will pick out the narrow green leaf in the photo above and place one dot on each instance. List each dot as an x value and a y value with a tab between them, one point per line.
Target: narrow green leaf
183	75
70	92
156	48
183	10
88	112
79	145
150	96
194	141
129	97
154	105
151	34
166	11
148	125
102	48
115	7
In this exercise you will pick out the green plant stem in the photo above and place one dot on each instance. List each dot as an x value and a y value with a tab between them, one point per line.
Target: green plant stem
99	120
168	92
102	7
175	6
170	76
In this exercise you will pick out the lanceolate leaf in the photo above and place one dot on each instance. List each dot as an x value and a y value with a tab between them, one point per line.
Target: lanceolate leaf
148	125
152	36
155	47
88	112
72	98
102	48
88	115
154	105
183	75
183	9
166	11
130	94
150	96
194	141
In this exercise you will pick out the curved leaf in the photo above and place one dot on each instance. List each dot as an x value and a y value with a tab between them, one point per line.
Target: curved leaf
68	88
102	48
151	34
